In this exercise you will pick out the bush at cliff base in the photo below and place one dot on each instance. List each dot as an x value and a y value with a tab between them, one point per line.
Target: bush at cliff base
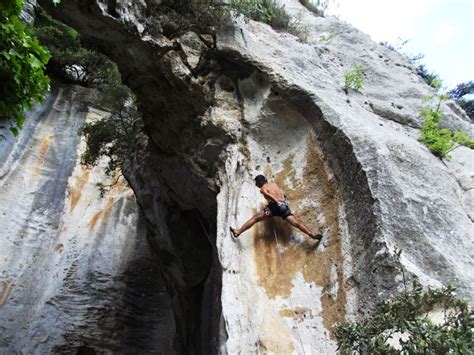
406	325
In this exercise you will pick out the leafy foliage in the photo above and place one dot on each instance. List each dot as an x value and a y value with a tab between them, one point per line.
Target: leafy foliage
461	90
70	61
440	141
430	78
406	316
266	11
215	13
22	63
113	135
354	79
461	93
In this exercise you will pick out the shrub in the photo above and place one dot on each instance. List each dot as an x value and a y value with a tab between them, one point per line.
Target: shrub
407	314
211	13
463	139
440	141
22	63
266	11
354	79
432	79
111	137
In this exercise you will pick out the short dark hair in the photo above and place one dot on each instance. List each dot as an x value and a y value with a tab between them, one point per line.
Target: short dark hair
260	180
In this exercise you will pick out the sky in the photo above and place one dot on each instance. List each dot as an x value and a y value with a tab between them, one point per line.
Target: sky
441	30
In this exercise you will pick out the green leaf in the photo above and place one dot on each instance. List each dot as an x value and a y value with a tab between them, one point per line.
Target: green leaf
20	120
35	62
22	63
14	131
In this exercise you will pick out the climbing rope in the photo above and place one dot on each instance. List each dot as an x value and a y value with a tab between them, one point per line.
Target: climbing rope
289	296
282	269
207	234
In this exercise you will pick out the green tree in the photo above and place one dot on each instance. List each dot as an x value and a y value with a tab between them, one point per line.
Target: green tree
70	61
113	135
463	94
22	64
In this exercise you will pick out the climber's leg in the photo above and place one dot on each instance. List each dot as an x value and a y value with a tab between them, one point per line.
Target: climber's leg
260	216
295	222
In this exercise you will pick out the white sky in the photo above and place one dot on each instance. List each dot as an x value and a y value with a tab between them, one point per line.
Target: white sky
442	30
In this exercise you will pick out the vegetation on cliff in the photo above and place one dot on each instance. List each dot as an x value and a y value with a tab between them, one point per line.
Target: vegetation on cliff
440	141
463	95
354	79
113	135
406	324
215	13
22	64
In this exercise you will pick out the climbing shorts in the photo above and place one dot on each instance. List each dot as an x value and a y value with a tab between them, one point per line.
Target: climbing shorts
277	210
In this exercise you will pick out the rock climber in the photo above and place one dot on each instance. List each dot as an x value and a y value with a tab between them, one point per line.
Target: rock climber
277	207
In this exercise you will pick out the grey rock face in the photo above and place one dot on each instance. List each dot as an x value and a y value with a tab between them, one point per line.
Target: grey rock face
255	100
28	13
76	272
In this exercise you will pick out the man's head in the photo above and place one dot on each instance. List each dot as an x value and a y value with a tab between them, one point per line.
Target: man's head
260	180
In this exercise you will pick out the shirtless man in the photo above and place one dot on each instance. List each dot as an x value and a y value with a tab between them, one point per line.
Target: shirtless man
277	206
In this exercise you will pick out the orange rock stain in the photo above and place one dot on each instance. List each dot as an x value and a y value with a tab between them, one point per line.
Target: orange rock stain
297	314
104	214
59	248
43	150
75	192
277	269
116	189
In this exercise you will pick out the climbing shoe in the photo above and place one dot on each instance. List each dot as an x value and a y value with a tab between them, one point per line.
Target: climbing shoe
233	232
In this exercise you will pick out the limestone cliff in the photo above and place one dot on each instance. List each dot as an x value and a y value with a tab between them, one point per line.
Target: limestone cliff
76	272
219	108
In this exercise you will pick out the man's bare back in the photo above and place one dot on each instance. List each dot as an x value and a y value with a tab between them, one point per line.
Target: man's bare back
272	192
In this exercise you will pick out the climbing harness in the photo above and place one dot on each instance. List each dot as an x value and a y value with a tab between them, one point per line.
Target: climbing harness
279	251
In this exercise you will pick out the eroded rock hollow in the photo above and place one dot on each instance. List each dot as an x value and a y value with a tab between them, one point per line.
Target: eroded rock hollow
219	108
